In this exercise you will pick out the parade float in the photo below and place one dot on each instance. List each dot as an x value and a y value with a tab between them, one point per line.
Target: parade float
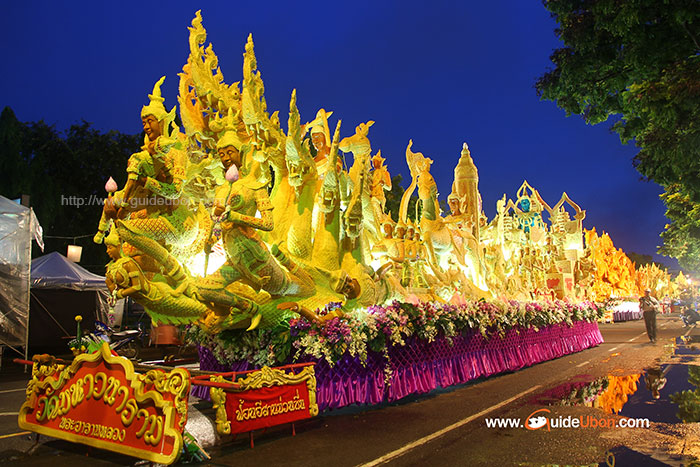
276	251
618	282
276	246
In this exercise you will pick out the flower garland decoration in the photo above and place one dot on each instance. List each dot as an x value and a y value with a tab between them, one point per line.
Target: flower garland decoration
379	327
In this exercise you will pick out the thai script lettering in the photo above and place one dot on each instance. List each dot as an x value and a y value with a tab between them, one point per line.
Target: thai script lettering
94	430
110	390
260	410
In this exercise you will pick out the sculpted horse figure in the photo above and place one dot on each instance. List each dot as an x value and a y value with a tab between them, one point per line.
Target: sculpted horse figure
437	237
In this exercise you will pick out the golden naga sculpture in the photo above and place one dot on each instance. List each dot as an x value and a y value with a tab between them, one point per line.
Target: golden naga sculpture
232	222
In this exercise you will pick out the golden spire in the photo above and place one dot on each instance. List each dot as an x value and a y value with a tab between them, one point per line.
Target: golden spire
155	107
228	134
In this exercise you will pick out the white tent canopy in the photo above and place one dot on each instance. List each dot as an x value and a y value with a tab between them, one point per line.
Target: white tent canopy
61	290
55	271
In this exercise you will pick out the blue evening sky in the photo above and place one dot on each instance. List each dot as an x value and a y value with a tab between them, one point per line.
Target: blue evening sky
440	73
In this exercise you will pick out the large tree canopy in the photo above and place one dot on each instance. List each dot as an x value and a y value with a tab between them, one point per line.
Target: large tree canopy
637	61
65	175
682	234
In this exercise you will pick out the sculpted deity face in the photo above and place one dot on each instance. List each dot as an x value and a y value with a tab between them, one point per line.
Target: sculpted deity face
318	139
229	155
525	205
388	230
423	165
151	126
113	252
453	203
346	285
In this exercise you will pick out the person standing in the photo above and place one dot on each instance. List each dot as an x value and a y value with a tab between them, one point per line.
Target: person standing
649	306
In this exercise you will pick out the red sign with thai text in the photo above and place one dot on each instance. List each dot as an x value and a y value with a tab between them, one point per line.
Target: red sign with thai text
266	407
264	397
99	400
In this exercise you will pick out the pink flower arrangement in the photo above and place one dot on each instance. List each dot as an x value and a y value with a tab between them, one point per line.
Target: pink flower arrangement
380	326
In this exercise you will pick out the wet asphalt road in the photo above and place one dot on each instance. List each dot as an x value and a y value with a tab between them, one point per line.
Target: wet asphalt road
447	427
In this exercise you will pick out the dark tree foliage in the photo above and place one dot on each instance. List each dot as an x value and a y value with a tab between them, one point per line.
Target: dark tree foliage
65	174
393	200
636	59
682	234
637	62
640	259
688	402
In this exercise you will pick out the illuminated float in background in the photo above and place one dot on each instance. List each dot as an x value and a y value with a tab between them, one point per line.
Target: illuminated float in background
619	389
270	249
618	282
608	393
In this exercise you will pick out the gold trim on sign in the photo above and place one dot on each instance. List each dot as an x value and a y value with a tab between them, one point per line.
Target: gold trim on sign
265	377
218	398
176	382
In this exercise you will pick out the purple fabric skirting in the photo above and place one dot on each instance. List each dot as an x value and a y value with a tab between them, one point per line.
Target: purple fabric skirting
627	315
421	366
